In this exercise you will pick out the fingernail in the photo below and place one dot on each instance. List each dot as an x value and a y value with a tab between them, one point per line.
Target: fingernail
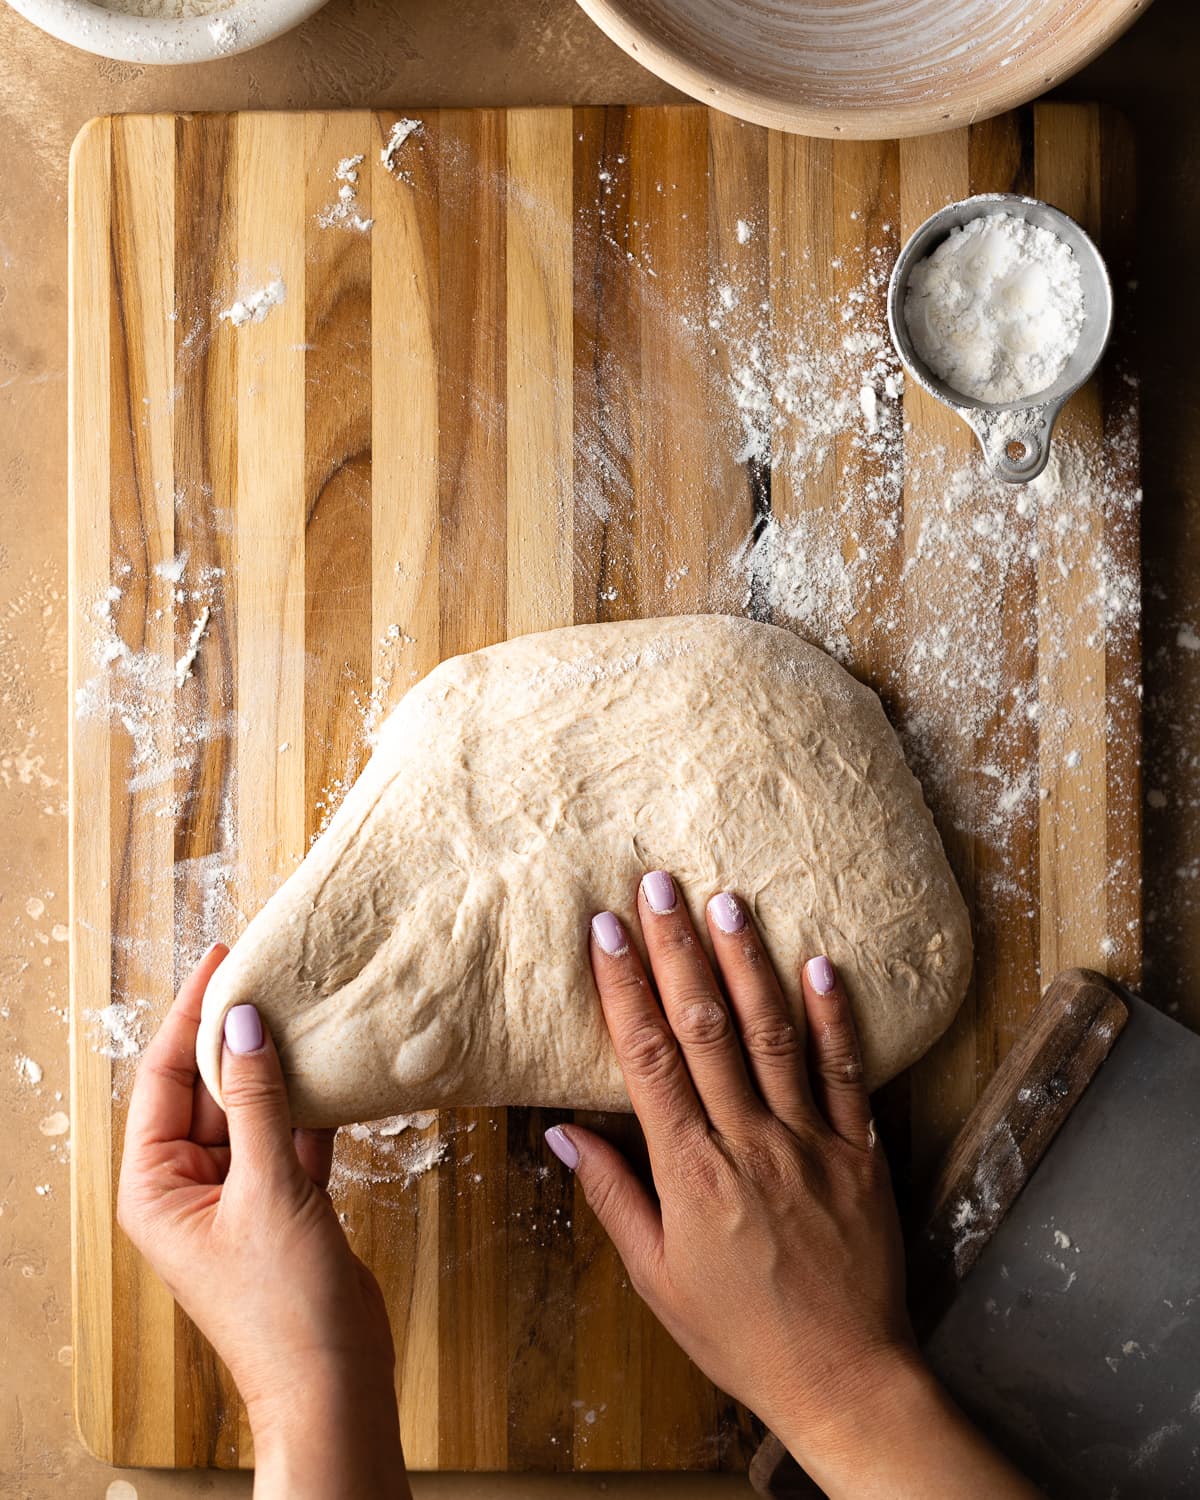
727	912
820	974
659	890
560	1143
609	933
243	1030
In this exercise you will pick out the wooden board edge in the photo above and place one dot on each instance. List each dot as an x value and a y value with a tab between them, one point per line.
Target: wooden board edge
90	1182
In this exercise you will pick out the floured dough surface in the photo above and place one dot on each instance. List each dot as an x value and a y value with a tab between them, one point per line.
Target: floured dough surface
432	948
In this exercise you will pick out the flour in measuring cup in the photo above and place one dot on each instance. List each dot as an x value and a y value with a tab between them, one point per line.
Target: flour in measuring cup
997	309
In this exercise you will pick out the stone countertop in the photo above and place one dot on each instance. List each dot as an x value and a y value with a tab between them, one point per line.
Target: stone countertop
407	54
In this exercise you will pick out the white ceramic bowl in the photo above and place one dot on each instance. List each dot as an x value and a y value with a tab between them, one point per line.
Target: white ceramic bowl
235	27
863	69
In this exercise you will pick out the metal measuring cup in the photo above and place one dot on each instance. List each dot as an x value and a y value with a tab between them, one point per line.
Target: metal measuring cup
1014	435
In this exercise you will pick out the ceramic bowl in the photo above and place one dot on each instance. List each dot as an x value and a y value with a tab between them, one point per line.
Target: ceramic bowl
865	69
223	32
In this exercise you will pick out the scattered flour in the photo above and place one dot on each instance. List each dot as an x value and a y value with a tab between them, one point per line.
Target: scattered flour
398	1150
119	1028
343	212
997	309
183	667
401	131
28	1071
957	698
1147	1451
173	568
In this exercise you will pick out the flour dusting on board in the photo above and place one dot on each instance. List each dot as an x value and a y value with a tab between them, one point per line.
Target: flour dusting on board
398	1150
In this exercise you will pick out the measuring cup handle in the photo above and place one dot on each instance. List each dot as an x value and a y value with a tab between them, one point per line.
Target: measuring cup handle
1016	444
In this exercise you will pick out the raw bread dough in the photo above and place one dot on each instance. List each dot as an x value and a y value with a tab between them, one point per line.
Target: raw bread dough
432	948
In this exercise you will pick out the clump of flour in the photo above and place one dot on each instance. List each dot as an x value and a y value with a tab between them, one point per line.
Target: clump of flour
119	1028
401	132
253	307
343	212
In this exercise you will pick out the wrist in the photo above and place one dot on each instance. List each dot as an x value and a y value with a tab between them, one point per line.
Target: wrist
868	1406
335	1434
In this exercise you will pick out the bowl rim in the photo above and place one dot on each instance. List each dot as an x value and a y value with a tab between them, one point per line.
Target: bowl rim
1008	88
156	41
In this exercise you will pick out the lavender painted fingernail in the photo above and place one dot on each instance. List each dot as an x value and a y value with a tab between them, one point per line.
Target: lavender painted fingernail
243	1030
609	934
726	911
659	890
560	1143
820	974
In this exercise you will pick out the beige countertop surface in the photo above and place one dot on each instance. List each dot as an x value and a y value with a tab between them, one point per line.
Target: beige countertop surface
407	54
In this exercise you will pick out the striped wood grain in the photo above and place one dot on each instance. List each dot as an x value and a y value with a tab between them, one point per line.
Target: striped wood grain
479	419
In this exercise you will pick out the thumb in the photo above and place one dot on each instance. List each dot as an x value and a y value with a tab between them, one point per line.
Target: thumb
625	1209
255	1098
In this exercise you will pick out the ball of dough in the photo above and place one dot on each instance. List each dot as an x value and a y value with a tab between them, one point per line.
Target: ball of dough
432	949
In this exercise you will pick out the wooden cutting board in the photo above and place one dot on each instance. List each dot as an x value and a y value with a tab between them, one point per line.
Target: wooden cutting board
506	406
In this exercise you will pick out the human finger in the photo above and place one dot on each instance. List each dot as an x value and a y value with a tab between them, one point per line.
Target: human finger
695	1006
160	1106
835	1056
315	1151
209	1126
655	1075
625	1209
772	1038
256	1102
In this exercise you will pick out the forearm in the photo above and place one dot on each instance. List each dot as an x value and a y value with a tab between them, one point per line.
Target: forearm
905	1440
333	1444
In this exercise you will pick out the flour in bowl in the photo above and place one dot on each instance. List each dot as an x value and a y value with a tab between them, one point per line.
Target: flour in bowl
997	309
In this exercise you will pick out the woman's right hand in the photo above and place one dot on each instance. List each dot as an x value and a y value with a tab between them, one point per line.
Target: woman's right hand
773	1254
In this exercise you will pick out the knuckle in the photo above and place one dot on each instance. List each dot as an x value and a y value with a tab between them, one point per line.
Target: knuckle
701	1022
773	1036
702	1168
251	1091
840	1060
751	950
649	1052
624	985
772	1163
676	937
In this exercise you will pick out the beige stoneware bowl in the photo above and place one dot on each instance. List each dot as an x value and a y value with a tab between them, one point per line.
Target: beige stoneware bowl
236	26
863	69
